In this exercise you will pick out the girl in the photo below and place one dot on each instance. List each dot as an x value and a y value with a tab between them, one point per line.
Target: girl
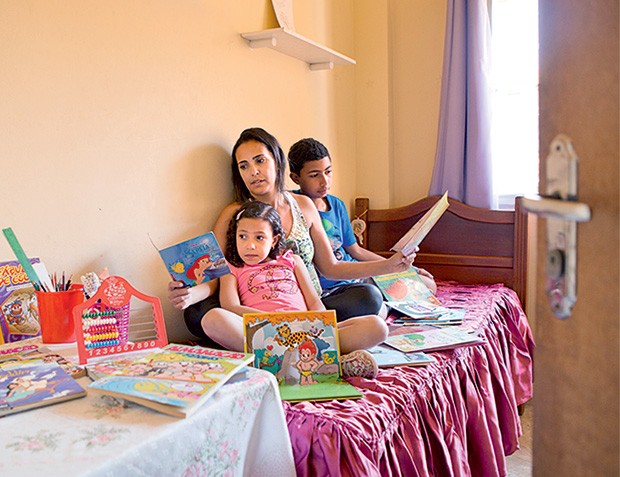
264	277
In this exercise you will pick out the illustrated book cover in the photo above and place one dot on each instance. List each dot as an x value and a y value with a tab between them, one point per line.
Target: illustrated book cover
432	339
29	385
19	314
407	287
301	349
412	239
387	357
33	350
437	316
196	260
176	380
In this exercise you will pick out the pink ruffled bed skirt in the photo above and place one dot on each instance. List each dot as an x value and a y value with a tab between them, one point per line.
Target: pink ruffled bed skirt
455	417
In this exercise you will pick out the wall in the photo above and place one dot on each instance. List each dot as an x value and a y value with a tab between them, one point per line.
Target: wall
117	120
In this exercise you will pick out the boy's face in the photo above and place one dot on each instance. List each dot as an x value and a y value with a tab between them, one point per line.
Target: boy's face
315	178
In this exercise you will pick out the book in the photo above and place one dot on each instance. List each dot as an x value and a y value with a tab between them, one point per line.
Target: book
195	261
32	350
412	239
301	349
19	313
432	339
387	357
28	385
406	287
176	379
438	315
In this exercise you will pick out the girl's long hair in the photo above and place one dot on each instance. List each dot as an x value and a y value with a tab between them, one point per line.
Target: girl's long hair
240	190
253	210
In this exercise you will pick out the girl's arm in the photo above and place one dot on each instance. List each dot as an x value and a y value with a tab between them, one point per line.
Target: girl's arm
311	297
326	262
181	297
229	296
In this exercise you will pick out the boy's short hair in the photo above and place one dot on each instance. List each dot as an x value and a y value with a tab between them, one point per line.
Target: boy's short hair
305	150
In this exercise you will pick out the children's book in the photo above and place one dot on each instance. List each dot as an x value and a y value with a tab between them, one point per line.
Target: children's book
432	339
196	260
438	316
32	350
28	385
176	380
387	357
301	349
407	287
408	242
19	314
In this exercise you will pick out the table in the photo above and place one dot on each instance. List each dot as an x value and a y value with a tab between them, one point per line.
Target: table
240	431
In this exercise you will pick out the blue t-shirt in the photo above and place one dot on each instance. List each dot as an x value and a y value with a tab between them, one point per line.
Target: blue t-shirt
340	234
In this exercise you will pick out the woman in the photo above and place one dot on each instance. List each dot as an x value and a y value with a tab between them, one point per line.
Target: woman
258	173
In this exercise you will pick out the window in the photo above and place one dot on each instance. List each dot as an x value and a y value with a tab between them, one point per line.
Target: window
514	79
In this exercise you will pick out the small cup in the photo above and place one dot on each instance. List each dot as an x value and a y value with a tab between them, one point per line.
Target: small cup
56	315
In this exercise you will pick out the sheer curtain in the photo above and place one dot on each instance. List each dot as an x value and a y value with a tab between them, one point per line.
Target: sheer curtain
463	156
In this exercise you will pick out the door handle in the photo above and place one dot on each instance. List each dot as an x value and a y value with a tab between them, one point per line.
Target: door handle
560	208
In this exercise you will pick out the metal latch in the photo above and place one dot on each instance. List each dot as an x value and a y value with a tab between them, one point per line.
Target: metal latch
560	207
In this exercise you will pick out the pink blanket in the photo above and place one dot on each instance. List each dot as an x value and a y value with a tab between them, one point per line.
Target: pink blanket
455	417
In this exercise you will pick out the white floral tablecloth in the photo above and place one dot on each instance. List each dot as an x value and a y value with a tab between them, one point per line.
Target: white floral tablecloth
240	431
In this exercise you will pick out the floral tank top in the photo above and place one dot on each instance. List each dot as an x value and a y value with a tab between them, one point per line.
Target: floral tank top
300	242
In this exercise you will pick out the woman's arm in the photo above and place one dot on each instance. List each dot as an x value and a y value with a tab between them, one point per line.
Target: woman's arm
326	262
311	297
229	296
221	224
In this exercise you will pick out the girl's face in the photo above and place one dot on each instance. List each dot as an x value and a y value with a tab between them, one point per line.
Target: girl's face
257	168
255	240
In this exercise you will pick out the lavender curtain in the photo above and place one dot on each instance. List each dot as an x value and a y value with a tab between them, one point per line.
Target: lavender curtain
463	157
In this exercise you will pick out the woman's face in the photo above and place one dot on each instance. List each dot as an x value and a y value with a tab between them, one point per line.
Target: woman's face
257	168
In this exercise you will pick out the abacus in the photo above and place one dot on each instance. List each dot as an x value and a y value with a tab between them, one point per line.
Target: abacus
106	325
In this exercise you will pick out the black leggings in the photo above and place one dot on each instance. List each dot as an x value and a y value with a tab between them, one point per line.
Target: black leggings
353	299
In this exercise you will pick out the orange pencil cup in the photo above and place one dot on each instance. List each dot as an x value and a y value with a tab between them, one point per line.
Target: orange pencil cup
55	315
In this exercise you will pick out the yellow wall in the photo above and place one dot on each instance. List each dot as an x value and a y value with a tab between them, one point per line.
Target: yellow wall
118	117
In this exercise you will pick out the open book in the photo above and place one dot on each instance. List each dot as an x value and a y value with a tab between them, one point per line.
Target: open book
196	260
408	242
176	380
301	349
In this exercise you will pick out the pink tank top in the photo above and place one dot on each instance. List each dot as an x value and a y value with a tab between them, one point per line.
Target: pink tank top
270	286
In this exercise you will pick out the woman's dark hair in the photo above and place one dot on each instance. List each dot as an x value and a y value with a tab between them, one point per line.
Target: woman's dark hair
241	192
253	209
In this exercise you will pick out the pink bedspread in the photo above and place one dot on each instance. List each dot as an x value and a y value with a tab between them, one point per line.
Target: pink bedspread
455	417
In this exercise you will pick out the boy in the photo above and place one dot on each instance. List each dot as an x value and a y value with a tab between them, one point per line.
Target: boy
311	169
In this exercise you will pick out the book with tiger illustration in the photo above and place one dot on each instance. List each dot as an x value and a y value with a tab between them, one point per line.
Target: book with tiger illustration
301	350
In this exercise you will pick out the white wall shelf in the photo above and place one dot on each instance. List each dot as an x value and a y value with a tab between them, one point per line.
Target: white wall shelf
293	44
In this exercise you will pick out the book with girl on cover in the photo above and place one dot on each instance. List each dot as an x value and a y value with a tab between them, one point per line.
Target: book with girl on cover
19	313
176	379
32	349
196	260
301	349
27	385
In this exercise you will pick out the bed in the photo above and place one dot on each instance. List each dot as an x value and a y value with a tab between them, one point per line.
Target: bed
458	416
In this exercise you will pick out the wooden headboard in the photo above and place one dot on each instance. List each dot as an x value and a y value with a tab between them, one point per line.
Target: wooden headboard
468	244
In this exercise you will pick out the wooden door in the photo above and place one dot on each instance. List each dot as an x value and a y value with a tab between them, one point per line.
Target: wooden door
576	368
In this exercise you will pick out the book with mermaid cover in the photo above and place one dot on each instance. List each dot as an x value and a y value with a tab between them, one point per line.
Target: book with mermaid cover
301	349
